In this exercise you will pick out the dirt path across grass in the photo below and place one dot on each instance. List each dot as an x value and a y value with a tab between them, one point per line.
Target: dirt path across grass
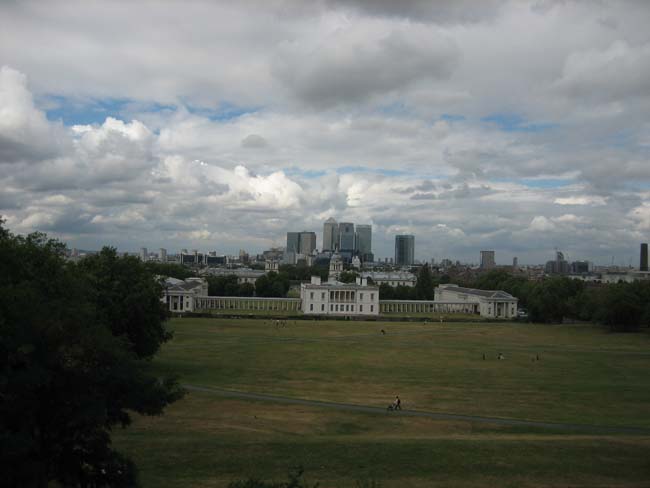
418	413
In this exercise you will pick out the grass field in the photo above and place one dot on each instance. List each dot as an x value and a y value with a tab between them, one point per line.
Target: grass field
584	376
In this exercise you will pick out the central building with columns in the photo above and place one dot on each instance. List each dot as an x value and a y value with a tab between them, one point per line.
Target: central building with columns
336	298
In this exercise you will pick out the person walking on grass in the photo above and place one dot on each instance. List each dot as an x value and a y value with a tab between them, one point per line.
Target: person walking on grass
397	404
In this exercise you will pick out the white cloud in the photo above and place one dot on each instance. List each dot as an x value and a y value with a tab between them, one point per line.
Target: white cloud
581	200
515	125
541	224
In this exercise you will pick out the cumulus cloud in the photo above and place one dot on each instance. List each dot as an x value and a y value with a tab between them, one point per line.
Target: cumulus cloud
25	134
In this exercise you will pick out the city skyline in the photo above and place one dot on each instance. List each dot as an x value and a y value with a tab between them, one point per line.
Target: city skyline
518	126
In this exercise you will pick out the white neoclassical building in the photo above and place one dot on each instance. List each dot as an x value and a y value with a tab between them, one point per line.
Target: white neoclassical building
488	303
179	295
392	278
336	298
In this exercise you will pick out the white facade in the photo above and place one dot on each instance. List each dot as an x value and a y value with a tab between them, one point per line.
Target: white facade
491	303
339	299
401	278
179	295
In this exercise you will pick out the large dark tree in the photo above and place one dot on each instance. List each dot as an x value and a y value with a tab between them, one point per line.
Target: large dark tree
272	284
348	276
66	379
424	284
127	300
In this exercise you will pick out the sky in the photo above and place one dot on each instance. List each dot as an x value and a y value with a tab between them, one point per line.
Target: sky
518	126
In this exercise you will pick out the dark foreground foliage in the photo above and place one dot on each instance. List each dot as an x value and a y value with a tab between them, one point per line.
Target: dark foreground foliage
295	480
74	347
623	307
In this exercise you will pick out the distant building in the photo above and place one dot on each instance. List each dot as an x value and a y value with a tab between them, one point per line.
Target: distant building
489	303
398	278
307	243
162	255
144	255
330	235
404	250
487	260
244	275
515	262
581	267
212	259
179	295
336	267
275	253
363	242
643	262
346	238
343	299
293	242
559	266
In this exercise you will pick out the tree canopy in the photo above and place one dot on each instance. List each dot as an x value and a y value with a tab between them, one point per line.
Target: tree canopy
70	369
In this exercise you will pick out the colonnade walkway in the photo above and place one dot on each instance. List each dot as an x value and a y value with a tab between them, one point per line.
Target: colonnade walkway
247	303
205	303
426	306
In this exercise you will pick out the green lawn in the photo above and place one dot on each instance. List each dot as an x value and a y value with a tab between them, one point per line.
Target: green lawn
584	376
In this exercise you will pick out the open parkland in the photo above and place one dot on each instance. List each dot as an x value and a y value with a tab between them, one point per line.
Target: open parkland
568	405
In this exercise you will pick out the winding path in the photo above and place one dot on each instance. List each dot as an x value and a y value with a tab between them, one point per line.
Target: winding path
417	413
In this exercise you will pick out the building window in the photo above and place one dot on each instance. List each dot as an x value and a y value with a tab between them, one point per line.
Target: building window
347	308
181	303
360	296
336	308
351	308
311	295
311	307
322	307
331	295
372	297
322	296
331	308
360	308
372	308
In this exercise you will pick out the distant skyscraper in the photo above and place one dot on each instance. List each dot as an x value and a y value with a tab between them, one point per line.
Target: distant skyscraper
487	260
364	242
162	255
293	242
346	237
143	253
330	235
307	242
515	262
643	265
404	250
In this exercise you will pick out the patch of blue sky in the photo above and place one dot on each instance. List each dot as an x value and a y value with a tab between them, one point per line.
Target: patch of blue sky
224	112
83	112
308	174
545	183
394	108
452	117
637	185
343	170
509	122
623	138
